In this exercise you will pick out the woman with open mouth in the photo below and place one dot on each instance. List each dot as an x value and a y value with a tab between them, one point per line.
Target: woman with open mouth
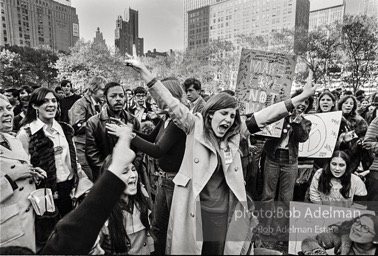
335	184
209	200
50	147
126	232
351	140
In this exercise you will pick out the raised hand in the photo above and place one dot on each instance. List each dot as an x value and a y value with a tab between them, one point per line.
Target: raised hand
309	88
139	67
122	154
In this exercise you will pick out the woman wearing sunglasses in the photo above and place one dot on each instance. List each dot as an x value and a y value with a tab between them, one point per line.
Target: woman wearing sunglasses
352	237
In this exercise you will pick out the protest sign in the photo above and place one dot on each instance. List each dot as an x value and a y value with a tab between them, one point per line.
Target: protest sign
264	78
309	220
323	135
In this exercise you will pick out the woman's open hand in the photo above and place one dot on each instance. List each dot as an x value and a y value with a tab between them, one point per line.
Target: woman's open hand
119	130
139	67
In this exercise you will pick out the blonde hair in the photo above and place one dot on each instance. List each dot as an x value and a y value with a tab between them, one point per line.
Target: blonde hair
95	84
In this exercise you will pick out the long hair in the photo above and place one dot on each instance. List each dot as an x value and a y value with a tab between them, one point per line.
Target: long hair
174	87
37	98
345	226
117	231
326	93
215	103
325	184
344	99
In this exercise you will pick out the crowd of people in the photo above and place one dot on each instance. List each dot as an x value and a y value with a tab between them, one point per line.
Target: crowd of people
165	169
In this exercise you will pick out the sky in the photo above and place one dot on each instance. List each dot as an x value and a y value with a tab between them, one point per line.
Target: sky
161	22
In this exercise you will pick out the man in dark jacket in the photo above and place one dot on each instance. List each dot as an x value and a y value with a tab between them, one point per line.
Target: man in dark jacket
100	144
81	111
67	102
281	167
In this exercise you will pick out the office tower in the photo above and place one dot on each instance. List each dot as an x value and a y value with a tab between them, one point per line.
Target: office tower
127	34
39	22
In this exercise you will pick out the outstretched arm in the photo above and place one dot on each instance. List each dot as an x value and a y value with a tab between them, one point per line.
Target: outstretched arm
82	224
179	113
275	112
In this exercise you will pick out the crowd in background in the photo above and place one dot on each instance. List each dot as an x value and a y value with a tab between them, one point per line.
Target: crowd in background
189	147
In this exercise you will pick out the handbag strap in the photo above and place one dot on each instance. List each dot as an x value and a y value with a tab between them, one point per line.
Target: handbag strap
45	190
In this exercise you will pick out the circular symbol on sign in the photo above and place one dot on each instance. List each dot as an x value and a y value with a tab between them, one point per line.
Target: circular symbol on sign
317	137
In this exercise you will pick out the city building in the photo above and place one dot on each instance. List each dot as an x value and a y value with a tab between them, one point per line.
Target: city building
326	12
242	17
190	5
99	38
39	22
127	34
364	7
155	53
198	22
226	20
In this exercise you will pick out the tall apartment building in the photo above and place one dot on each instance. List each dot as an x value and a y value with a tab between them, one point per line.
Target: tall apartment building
198	24
127	34
259	17
190	5
39	22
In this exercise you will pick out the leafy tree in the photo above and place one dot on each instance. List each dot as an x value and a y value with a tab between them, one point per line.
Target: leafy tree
32	66
320	50
87	60
360	42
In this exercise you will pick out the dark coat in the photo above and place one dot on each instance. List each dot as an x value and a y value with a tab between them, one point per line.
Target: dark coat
298	132
100	144
76	233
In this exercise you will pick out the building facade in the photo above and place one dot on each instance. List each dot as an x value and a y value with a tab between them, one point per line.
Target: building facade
364	7
198	22
190	5
127	35
35	23
326	12
99	38
259	17
155	54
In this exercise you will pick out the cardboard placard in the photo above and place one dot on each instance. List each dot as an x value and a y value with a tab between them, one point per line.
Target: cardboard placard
264	78
323	135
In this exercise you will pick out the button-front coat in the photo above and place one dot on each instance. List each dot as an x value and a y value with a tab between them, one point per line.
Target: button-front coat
198	165
16	211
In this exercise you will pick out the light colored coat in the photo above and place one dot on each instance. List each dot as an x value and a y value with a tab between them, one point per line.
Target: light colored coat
198	165
16	214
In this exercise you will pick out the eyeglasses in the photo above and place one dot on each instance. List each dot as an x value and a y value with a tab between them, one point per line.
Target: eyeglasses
139	95
363	228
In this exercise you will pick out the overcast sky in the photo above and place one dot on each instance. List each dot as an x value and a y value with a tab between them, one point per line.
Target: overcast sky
161	22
